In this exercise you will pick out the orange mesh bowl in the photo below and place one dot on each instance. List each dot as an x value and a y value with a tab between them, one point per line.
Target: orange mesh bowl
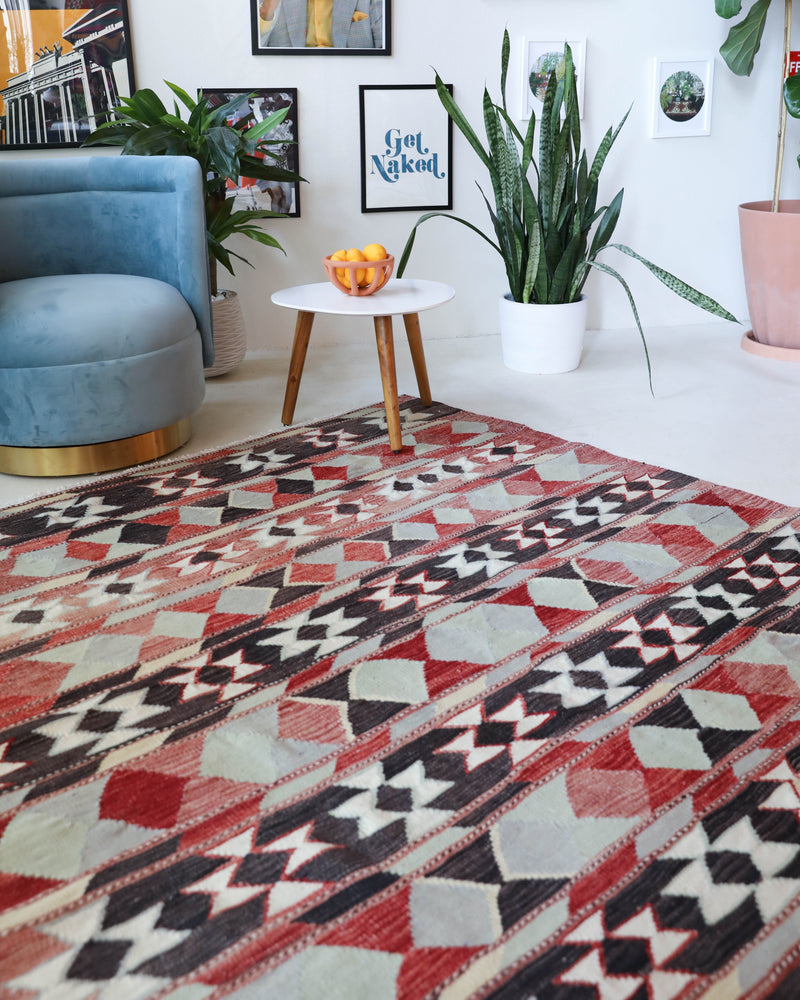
381	271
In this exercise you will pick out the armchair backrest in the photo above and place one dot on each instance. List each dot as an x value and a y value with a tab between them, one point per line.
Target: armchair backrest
109	215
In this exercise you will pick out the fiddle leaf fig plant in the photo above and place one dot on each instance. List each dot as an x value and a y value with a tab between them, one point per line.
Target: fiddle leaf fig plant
548	227
739	52
143	126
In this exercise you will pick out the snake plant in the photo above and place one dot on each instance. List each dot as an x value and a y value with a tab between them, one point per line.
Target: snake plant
548	227
143	126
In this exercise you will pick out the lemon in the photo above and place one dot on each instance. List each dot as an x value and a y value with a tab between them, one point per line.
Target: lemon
341	272
355	254
374	251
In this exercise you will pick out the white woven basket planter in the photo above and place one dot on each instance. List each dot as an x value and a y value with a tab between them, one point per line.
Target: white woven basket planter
230	335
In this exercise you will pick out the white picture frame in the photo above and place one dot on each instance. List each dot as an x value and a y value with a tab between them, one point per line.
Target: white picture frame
537	57
681	97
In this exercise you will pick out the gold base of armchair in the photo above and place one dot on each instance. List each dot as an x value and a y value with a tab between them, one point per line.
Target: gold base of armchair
81	460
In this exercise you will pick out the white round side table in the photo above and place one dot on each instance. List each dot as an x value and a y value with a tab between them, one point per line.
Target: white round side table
406	297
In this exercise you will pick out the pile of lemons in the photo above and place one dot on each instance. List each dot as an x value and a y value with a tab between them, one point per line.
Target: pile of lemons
363	275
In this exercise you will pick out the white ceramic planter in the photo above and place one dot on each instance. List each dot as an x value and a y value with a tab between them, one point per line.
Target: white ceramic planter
230	334
542	339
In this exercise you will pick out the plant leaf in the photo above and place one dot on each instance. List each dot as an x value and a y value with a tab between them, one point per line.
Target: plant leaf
457	115
615	274
160	140
791	95
145	106
744	39
603	149
678	286
562	276
532	268
223	147
261	131
504	54
608	223
424	218
182	96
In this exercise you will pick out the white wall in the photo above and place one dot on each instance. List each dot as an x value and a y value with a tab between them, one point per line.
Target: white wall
680	194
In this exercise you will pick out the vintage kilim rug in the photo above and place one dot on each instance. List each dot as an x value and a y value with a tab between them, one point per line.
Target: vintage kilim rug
501	716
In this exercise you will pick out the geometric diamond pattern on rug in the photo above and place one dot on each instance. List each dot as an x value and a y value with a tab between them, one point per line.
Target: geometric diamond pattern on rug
499	715
142	798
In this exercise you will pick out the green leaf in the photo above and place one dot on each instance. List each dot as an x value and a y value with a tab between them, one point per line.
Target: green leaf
145	106
546	147
728	8
261	170
182	96
563	274
424	218
498	150
461	123
604	148
532	267
527	145
509	123
562	168
680	287
198	117
578	281
504	55
744	39
219	115
108	134
161	140
582	185
261	237
608	224
791	95
177	123
223	146
615	274
261	131
218	252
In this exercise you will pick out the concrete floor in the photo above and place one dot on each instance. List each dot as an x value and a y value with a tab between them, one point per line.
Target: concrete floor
718	412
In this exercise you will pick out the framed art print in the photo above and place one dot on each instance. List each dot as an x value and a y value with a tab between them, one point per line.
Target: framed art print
539	60
250	194
63	68
681	97
346	27
406	148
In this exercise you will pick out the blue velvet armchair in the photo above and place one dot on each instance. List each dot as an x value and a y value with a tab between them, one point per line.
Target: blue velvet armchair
105	310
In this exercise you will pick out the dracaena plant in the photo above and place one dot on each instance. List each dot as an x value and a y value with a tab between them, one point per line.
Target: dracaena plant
143	126
739	52
548	227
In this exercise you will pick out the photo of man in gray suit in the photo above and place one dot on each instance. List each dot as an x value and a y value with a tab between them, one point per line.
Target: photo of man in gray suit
322	24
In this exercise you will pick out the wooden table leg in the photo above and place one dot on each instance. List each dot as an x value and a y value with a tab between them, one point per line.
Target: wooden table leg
411	321
302	332
385	340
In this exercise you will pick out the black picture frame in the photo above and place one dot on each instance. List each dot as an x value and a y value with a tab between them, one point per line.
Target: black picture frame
275	196
406	148
298	46
71	66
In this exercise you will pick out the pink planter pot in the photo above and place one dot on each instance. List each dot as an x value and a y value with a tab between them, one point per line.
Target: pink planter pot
771	261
